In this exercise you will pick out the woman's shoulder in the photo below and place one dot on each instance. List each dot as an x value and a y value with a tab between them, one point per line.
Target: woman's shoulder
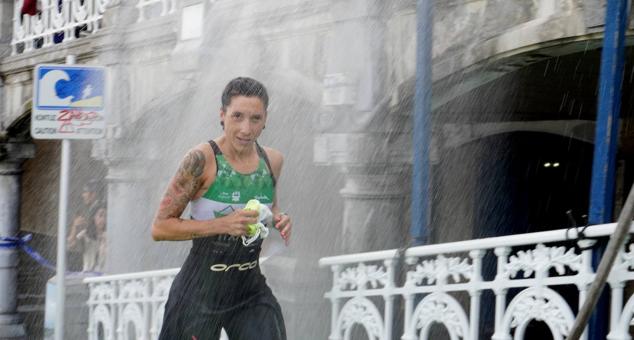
274	155
276	158
204	151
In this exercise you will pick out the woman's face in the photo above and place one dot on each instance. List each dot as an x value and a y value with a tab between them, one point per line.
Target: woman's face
243	119
100	220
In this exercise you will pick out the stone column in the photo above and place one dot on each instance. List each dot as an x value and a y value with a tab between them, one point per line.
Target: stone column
123	234
11	157
133	196
129	150
127	224
375	208
358	132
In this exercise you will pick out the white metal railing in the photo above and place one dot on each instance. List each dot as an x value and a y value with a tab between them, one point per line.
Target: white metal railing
531	270
58	21
124	304
118	302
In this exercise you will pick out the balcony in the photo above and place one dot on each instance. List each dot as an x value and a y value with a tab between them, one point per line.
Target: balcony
518	280
62	21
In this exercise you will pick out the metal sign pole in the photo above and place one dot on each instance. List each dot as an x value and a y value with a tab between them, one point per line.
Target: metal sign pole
607	137
420	210
61	232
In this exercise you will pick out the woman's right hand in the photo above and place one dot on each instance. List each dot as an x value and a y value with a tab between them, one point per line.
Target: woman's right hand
236	222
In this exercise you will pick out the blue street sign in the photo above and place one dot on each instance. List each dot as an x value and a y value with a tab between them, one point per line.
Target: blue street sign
69	102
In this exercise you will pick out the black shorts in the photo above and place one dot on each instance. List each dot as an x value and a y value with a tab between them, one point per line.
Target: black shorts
220	286
259	318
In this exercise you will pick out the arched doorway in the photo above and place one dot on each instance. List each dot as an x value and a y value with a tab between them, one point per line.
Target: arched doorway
527	181
500	131
496	149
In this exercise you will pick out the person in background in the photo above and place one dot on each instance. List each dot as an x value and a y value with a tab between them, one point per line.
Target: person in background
92	241
82	220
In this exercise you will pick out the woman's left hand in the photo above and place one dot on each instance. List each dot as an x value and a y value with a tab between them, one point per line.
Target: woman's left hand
284	225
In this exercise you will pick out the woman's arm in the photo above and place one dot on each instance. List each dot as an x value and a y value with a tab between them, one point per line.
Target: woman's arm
186	185
188	180
281	220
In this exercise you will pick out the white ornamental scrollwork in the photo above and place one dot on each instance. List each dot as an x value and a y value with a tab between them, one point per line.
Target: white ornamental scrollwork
58	15
102	292
134	289
80	11
540	304
162	287
361	276
625	260
361	311
441	308
133	316
541	259
101	316
438	270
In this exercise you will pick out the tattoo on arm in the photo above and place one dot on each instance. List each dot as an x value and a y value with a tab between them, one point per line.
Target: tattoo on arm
184	185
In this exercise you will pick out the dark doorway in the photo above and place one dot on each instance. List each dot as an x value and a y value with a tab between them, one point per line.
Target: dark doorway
510	183
532	180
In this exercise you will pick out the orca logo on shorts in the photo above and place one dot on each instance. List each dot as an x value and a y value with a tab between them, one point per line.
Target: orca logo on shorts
221	267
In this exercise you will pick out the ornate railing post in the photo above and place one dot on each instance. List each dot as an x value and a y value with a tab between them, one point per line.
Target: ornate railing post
586	274
475	292
408	334
500	293
389	296
335	333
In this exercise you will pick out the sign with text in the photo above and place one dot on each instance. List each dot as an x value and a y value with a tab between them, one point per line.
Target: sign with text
68	102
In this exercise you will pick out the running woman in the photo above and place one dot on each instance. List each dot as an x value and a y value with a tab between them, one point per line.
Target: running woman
220	284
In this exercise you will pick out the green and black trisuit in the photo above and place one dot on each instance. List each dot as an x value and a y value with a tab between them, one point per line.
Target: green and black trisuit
220	284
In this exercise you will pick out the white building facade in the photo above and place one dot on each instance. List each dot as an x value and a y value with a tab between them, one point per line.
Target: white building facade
340	74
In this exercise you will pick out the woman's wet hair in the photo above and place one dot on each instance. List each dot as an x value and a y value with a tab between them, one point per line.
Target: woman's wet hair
244	86
91	228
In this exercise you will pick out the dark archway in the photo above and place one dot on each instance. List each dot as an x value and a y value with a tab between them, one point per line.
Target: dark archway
511	183
493	185
530	183
488	181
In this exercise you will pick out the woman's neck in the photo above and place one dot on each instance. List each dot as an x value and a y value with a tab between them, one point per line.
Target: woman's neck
231	153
